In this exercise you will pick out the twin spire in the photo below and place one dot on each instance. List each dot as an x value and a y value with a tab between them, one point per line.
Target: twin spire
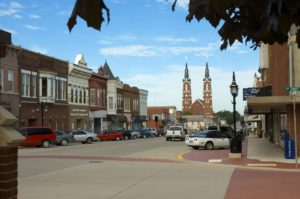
186	72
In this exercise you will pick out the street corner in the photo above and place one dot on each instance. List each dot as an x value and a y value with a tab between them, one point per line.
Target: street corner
214	156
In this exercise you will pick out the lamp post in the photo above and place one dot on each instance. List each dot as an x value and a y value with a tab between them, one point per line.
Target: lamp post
43	108
236	141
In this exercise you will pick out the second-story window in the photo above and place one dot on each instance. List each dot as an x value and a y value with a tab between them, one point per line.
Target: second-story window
84	96
80	96
111	103
93	97
76	96
72	95
63	90
1	79
10	80
33	85
44	86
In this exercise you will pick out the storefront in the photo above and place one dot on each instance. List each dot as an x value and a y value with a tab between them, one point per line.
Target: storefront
79	117
98	120
116	122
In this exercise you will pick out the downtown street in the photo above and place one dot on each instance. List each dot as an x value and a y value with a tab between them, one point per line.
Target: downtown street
144	168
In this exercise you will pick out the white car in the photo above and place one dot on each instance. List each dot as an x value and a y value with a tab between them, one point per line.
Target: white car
84	136
208	139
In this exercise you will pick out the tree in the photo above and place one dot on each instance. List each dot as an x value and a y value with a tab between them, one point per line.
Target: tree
228	116
254	21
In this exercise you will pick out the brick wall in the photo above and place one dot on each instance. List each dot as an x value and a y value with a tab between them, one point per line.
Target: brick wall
8	172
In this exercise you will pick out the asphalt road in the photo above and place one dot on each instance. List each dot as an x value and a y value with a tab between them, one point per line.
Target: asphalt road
142	169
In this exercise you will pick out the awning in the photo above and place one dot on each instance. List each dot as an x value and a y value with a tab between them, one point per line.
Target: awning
260	105
140	118
116	118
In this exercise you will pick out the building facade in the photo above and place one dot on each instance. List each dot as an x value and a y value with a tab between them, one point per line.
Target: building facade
78	93
9	74
161	116
43	91
115	101
143	107
97	100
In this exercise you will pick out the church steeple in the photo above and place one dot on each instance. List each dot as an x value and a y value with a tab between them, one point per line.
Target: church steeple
186	72
206	71
186	91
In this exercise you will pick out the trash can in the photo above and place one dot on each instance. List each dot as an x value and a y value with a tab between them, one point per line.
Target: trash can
236	144
289	147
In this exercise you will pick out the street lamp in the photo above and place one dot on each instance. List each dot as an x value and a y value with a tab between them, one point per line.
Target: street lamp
44	108
236	141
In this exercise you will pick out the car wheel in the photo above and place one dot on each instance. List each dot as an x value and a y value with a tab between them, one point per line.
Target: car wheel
195	147
118	138
46	144
89	140
167	139
144	136
209	146
64	142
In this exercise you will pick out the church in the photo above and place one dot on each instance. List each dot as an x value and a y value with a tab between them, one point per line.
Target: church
198	107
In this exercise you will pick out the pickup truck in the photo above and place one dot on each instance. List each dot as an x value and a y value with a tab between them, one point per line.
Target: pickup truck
175	132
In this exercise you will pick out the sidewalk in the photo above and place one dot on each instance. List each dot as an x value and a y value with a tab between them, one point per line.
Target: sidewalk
257	152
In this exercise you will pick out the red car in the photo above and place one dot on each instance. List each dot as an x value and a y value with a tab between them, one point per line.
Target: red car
38	136
110	135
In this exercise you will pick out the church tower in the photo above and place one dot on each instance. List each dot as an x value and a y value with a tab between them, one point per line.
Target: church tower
207	94
186	92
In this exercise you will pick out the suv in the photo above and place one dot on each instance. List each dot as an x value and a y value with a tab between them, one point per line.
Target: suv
38	136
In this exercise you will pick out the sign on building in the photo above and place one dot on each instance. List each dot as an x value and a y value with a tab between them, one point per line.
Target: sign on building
249	92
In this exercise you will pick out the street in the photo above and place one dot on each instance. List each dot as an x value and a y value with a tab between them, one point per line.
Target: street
143	168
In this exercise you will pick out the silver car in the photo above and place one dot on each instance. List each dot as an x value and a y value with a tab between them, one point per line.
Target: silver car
84	137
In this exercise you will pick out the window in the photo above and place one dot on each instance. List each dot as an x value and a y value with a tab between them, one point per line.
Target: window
33	94
1	79
52	90
62	90
72	93
76	96
25	84
57	89
93	97
80	96
84	96
10	80
101	98
111	103
44	86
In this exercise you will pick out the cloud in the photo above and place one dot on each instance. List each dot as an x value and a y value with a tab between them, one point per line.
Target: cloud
174	39
39	49
31	27
33	16
10	9
169	93
131	50
180	3
152	51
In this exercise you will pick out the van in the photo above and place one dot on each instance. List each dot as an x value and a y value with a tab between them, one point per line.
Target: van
38	136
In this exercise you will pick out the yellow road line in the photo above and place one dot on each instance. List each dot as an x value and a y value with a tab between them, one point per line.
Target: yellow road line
180	155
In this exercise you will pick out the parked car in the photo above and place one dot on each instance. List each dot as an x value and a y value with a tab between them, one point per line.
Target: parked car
208	139
127	134
63	138
147	134
161	132
38	136
152	130
84	137
136	134
110	135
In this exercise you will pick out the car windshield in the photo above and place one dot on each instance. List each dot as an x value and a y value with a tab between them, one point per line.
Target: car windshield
175	128
201	134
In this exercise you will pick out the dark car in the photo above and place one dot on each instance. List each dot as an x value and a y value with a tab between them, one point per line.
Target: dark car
147	134
161	132
63	138
127	134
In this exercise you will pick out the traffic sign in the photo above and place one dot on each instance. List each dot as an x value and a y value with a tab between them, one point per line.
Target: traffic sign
292	89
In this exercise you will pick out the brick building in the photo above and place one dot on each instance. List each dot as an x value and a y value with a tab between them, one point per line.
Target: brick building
43	90
166	115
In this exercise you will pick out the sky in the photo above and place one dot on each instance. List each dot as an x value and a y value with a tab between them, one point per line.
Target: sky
145	44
